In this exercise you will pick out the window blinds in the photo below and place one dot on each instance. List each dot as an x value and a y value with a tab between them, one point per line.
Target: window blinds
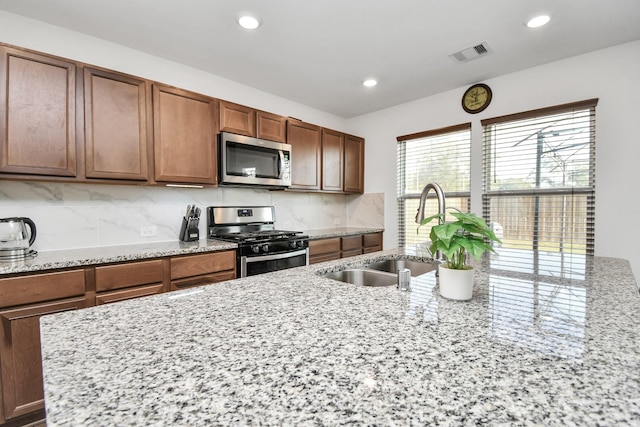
442	156
539	180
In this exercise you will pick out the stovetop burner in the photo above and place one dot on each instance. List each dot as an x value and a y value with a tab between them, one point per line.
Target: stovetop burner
249	236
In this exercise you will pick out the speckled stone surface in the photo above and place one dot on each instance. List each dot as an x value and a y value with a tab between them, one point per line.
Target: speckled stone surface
327	233
535	346
51	260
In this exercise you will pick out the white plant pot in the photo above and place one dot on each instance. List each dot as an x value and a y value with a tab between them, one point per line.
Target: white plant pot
456	284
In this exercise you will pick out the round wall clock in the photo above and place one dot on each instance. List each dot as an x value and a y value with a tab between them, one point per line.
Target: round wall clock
476	98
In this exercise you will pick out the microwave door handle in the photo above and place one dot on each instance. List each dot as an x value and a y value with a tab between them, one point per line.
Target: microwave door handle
280	164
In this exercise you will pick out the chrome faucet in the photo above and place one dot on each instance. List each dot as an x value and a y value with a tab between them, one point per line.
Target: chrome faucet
441	210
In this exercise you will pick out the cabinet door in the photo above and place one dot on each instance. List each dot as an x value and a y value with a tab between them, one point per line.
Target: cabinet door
332	160
353	164
116	135
305	140
237	118
324	250
37	114
351	246
20	355
371	242
271	126
184	136
198	265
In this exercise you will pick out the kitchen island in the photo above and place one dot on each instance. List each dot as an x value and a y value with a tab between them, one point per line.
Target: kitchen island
535	346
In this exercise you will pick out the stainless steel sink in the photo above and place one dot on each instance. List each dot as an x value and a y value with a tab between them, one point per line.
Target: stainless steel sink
395	265
363	277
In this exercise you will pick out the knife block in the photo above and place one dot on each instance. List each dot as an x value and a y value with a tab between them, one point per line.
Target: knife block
189	233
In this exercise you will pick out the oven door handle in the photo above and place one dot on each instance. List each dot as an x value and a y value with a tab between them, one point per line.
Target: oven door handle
245	260
284	255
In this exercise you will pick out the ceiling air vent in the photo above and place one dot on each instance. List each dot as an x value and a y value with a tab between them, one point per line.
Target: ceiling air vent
472	52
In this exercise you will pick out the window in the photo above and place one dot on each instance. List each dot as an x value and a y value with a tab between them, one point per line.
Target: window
442	156
539	179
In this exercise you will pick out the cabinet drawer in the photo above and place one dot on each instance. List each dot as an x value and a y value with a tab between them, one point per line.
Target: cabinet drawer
197	265
41	287
351	243
324	257
206	279
371	249
124	294
372	240
352	252
127	275
324	246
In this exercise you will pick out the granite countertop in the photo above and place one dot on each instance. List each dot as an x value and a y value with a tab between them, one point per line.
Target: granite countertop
327	233
539	344
51	260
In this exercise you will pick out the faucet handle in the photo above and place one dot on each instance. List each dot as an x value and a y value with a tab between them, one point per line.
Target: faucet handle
404	279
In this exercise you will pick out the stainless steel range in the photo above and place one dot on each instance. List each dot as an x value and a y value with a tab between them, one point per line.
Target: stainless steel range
261	248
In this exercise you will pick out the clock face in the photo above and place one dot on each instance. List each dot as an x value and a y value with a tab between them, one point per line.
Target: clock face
476	98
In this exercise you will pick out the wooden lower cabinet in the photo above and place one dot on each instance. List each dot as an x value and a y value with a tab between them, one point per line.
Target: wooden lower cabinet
22	385
350	246
324	250
371	242
198	270
23	301
120	282
343	247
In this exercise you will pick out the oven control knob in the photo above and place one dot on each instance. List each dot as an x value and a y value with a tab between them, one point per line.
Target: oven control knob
255	249
292	244
300	243
265	248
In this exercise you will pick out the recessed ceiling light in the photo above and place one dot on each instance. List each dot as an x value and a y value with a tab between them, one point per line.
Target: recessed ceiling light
249	22
370	82
538	21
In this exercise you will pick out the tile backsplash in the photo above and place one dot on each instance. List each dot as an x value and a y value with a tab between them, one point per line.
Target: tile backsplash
87	215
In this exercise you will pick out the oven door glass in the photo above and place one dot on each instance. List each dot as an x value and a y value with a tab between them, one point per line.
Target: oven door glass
251	161
250	266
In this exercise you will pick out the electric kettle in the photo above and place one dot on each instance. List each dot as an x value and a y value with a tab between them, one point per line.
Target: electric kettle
16	235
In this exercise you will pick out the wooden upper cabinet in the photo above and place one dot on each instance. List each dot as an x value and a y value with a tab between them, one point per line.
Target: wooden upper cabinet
271	126
332	160
184	136
116	134
237	118
37	114
353	164
305	140
247	121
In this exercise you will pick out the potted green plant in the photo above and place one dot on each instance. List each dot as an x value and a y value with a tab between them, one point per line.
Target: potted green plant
468	234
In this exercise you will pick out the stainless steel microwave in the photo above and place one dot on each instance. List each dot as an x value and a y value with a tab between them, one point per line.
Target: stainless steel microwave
255	162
